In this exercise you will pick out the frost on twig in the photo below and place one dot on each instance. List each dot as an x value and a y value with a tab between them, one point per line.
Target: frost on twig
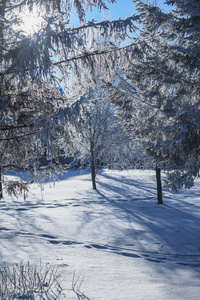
76	287
26	281
15	187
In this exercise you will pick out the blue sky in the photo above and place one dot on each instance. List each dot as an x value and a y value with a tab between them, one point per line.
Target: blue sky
121	9
124	8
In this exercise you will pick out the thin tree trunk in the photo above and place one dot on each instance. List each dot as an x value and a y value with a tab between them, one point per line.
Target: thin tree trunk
92	166
2	14
2	21
159	186
1	185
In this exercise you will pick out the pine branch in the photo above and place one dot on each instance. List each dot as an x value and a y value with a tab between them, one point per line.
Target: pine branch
94	53
18	136
11	7
16	127
107	24
125	94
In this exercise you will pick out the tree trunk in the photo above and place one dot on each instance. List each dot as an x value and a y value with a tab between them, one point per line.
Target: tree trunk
2	14
93	176
1	185
159	186
2	21
92	166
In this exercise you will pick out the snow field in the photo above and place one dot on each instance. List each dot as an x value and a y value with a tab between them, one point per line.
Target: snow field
118	240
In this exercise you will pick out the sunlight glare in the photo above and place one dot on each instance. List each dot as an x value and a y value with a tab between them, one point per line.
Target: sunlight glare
31	20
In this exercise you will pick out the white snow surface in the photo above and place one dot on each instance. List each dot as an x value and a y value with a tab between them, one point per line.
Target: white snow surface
117	239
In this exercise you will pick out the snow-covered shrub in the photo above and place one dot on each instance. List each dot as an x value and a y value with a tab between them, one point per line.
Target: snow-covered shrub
26	281
14	187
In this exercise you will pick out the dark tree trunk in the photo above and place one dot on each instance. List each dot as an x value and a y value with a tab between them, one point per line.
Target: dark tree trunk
93	166
93	176
159	186
1	185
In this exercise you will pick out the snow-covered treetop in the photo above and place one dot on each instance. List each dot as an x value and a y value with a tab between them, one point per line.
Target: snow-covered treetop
160	98
57	44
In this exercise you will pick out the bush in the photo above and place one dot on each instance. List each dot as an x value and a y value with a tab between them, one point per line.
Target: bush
19	281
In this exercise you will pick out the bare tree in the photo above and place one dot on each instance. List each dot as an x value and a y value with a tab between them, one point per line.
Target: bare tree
97	137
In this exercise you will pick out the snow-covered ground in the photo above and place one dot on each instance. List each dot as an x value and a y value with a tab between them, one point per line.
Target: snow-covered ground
117	238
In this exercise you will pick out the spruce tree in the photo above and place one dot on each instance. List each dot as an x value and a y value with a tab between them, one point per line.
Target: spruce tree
29	116
161	92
